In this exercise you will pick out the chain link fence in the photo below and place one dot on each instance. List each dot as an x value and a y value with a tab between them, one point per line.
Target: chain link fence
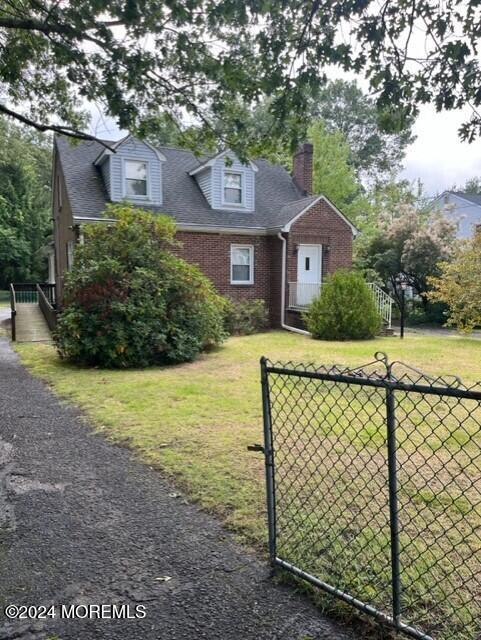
374	490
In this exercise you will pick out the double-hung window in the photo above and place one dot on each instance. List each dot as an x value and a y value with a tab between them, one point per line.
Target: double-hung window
136	173
242	264
233	188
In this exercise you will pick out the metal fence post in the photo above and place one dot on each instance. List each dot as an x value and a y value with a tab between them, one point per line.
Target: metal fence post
393	503
13	313
269	461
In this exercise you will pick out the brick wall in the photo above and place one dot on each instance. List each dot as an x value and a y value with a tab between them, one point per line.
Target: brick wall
211	253
302	167
321	225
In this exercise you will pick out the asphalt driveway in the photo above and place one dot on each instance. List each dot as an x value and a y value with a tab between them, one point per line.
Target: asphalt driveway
83	523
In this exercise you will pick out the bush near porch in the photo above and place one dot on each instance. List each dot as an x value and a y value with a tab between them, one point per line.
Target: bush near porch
345	309
194	421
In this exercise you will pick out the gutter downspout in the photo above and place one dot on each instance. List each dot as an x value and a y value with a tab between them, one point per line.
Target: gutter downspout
283	290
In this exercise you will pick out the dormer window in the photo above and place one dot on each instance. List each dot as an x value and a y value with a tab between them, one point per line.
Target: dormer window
233	188
135	177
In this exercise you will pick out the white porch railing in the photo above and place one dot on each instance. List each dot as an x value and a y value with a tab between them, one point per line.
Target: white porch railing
301	294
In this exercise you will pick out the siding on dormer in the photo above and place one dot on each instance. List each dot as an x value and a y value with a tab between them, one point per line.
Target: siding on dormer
204	180
217	184
133	149
105	170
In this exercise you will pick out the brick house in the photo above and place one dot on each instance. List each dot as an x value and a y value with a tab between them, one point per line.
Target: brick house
253	229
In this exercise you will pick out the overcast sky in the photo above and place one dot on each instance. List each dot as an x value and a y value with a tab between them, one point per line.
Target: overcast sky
438	157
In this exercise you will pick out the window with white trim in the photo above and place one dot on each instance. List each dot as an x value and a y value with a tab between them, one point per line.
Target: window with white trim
242	264
233	193
135	178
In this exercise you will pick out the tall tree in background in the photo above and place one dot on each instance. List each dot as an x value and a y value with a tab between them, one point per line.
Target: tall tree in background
472	186
374	153
25	168
390	197
370	207
334	176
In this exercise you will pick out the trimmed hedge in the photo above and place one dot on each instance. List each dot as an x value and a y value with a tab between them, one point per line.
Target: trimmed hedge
130	302
345	310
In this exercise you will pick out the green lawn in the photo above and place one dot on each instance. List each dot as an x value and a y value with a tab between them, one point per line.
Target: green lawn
195	421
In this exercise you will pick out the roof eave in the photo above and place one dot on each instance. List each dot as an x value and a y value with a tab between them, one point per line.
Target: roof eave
192	226
211	161
108	152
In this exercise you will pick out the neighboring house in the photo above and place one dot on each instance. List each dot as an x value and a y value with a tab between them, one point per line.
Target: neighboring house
254	230
464	209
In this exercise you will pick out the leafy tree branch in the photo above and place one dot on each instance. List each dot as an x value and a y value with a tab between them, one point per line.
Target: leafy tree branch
144	59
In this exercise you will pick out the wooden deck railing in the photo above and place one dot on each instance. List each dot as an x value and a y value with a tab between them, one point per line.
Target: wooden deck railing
27	292
49	291
42	294
46	294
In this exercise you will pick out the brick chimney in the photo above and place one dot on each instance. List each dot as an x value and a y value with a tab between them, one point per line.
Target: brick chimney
302	168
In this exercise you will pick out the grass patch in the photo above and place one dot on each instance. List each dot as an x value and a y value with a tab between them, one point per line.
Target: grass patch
195	421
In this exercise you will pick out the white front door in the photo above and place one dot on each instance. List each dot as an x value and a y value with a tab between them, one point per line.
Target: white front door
309	265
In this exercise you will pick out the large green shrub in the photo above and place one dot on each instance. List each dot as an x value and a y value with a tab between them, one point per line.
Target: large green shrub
345	310
246	317
129	301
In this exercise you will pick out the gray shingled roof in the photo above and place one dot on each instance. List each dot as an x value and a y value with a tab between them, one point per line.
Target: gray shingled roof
292	209
277	198
475	198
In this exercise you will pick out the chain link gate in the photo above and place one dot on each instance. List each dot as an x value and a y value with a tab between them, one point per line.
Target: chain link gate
374	490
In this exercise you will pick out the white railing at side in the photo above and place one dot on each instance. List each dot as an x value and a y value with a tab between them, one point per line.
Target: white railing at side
301	294
384	303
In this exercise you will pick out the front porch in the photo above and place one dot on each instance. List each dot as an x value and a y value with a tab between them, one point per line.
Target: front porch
301	294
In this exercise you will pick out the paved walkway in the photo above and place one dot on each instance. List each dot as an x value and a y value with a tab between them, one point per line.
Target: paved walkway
82	522
30	324
439	332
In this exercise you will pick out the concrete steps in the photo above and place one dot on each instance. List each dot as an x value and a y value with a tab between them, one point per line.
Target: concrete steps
386	332
30	324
